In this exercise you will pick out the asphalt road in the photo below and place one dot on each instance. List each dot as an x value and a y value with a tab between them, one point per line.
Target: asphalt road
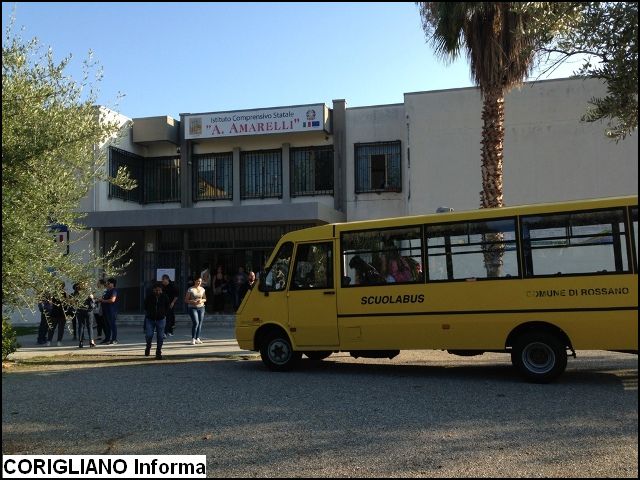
422	414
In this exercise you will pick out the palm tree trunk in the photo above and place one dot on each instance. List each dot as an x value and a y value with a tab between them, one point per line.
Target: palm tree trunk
492	187
492	147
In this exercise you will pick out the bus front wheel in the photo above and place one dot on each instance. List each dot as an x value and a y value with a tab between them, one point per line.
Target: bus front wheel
539	356
278	354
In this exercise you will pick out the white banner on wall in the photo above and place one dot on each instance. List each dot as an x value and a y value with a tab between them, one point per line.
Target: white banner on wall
166	271
301	118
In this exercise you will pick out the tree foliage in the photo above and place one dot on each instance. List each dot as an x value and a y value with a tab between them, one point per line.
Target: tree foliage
50	132
606	35
500	40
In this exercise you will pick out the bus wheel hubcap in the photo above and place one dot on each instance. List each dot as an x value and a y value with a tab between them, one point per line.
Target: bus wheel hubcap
279	352
538	357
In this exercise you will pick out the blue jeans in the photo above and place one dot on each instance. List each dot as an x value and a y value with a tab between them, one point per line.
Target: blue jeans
197	317
112	331
150	326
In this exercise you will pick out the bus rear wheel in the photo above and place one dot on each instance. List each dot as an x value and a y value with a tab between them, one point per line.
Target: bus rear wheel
539	356
278	354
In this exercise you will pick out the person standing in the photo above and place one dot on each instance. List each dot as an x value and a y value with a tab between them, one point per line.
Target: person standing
195	298
45	307
251	280
83	317
171	291
110	312
101	324
219	288
239	287
156	306
58	318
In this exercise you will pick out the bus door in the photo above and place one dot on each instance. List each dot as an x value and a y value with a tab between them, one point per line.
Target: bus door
312	296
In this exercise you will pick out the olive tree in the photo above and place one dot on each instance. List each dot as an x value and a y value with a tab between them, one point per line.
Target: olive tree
51	131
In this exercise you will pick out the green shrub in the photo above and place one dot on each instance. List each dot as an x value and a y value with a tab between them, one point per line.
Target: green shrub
9	341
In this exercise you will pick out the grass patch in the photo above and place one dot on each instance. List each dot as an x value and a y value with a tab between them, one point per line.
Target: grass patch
22	330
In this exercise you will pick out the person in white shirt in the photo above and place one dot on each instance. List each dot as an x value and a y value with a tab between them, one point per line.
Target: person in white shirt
195	298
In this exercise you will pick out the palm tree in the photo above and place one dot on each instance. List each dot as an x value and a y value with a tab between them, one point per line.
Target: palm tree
501	53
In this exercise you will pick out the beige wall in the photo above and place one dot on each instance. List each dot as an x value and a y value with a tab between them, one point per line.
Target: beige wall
374	124
549	155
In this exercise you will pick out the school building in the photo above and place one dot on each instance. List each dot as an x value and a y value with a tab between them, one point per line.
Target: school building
222	187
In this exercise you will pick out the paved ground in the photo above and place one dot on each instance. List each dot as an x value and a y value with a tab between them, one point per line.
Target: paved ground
217	340
422	414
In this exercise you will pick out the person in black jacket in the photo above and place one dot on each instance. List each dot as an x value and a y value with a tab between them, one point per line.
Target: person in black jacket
60	305
83	318
170	290
156	306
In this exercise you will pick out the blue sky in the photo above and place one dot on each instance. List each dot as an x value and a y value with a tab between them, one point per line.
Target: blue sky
172	58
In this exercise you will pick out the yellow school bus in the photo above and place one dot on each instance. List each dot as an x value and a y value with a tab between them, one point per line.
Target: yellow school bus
538	282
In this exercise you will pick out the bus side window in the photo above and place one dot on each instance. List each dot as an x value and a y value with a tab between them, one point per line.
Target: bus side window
313	267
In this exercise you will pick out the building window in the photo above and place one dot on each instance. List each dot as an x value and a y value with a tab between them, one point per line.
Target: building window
261	174
170	239
311	171
157	178
135	168
161	179
378	167
213	176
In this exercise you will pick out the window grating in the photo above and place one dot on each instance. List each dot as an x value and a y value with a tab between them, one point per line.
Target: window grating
378	167
135	167
157	178
260	236
213	176
311	171
261	174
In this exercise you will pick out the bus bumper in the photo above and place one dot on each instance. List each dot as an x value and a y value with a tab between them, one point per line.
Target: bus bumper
244	336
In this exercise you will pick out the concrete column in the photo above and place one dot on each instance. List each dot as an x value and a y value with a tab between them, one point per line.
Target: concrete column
286	175
339	130
236	176
186	169
97	242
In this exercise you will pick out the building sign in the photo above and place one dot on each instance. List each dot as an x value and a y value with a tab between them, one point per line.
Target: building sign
301	118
